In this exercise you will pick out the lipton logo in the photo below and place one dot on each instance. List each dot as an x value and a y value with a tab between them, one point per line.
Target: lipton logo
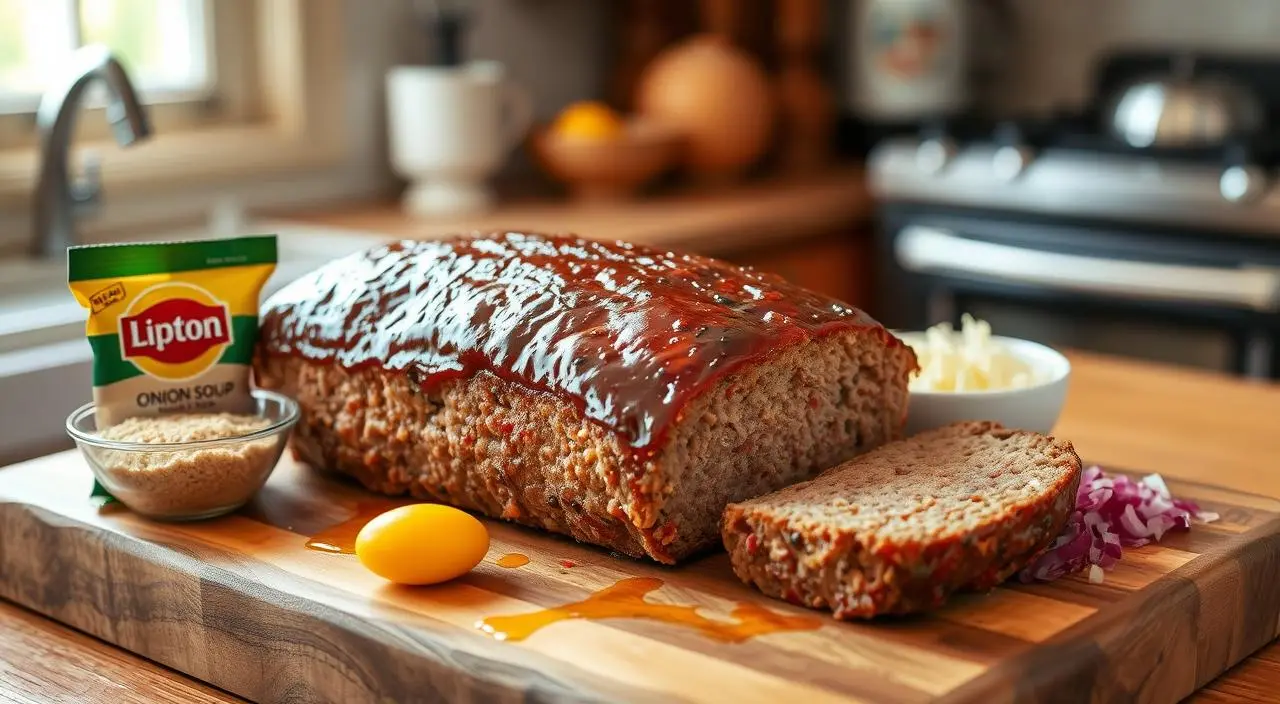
175	331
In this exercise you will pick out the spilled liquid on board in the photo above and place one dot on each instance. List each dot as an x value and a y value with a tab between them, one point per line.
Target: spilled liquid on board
626	599
340	539
513	559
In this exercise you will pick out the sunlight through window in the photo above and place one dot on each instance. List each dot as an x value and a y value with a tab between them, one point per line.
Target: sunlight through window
163	44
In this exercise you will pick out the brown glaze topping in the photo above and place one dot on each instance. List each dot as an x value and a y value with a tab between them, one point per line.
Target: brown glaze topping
628	333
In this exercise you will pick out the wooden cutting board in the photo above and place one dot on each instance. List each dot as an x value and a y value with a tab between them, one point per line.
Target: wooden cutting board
241	603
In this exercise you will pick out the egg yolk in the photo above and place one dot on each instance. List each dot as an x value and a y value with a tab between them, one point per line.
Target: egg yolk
422	544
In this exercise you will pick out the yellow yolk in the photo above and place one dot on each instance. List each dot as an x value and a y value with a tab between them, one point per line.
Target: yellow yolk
422	544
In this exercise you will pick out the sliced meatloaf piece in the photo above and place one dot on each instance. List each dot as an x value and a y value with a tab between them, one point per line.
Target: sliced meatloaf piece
617	394
898	529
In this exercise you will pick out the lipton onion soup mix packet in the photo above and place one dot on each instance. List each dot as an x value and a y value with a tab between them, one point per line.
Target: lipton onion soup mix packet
172	324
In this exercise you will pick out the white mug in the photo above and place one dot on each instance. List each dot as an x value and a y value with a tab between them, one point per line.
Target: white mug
450	129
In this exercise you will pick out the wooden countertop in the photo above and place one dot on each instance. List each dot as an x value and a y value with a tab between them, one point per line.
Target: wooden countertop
754	214
1126	414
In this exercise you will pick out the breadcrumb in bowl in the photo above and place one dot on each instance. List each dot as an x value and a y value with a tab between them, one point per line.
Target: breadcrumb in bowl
186	466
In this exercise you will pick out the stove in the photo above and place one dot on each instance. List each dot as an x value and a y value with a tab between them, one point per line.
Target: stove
1053	169
1056	230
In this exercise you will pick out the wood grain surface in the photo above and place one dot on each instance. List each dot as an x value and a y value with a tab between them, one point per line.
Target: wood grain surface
1193	425
240	603
42	662
1254	680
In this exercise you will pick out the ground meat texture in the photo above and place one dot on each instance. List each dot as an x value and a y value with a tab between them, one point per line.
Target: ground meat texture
497	447
899	529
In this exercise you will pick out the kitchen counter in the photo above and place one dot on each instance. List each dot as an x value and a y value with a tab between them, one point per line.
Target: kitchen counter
812	229
752	215
1124	414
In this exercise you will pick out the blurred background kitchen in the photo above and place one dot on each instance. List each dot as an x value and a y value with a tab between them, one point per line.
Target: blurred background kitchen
1093	175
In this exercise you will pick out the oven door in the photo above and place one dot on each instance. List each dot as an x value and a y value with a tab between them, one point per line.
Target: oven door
1219	317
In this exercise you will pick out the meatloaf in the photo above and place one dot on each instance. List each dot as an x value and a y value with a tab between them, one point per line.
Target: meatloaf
614	393
899	529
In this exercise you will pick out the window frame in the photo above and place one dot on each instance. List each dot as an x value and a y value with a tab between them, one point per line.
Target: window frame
219	20
280	114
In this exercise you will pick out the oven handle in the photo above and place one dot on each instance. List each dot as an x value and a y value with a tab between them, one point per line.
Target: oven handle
927	250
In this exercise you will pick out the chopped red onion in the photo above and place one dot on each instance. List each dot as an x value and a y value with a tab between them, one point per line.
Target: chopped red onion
1111	513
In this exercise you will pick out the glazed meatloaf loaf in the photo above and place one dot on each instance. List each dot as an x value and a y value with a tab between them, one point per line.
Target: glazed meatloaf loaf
899	529
617	394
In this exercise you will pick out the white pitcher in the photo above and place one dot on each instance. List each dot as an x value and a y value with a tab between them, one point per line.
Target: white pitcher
450	130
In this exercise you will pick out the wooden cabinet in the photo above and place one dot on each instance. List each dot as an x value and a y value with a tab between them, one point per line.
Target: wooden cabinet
837	264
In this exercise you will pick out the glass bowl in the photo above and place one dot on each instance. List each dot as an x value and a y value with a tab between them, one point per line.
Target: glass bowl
187	481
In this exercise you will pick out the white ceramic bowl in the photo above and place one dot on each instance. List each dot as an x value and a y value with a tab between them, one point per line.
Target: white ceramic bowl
1033	408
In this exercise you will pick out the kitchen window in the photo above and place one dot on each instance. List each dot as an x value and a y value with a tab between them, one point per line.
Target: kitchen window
235	89
166	44
186	58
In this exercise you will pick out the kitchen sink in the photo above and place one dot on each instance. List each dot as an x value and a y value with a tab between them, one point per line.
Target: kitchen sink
44	357
36	307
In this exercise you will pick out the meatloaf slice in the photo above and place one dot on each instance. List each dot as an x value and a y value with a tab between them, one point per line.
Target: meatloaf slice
899	529
619	394
497	447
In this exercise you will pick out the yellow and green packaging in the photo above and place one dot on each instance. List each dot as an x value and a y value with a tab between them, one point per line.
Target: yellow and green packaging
172	324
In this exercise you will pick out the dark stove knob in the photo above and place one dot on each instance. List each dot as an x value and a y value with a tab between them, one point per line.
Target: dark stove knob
1237	152
1013	150
1241	182
937	128
1009	134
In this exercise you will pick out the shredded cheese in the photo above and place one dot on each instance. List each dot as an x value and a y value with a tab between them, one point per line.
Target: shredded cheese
967	360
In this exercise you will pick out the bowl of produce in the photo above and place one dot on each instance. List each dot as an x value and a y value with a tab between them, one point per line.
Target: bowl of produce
970	374
600	155
186	466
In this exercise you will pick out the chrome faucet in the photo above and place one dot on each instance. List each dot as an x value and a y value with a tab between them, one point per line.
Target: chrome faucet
57	199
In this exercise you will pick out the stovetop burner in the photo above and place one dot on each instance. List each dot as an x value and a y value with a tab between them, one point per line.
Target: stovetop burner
1086	130
1083	132
1069	162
